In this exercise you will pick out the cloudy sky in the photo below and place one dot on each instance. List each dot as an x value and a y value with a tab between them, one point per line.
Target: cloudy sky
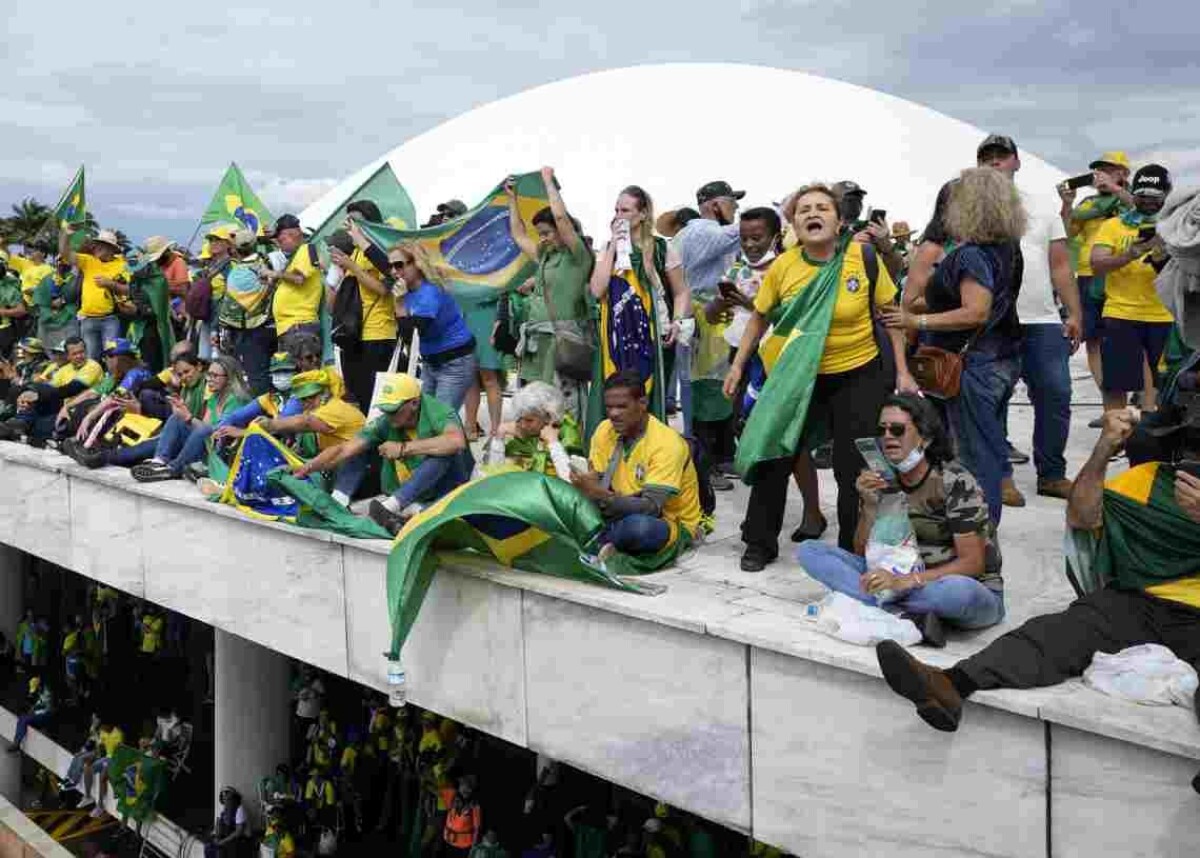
156	98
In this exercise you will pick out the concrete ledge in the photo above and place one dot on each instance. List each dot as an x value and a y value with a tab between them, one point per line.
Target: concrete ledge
21	837
714	696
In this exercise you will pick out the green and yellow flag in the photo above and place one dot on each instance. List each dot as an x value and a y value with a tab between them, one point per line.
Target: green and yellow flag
72	208
383	189
475	252
235	202
521	519
792	353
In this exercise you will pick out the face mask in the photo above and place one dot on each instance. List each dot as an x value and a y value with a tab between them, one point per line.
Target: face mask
915	456
281	381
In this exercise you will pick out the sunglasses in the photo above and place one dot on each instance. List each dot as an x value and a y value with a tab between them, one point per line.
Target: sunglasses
396	264
896	430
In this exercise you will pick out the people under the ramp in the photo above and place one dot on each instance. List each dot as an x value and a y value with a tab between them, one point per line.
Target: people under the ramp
422	443
642	478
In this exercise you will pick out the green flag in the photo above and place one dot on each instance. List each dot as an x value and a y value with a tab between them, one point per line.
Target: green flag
383	189
72	209
235	202
777	421
523	520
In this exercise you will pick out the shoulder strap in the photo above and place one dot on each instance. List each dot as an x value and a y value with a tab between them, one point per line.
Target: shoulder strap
871	261
313	259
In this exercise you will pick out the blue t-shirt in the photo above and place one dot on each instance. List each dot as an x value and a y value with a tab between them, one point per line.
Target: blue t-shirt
446	328
991	265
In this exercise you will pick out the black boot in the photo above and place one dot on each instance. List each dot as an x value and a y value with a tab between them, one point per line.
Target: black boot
930	626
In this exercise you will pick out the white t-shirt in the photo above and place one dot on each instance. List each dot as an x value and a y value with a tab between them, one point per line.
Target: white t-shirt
1035	303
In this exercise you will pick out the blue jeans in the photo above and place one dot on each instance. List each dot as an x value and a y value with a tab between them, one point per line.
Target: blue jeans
435	477
179	444
977	417
96	331
253	348
349	475
1044	356
957	599
637	534
450	381
683	370
24	722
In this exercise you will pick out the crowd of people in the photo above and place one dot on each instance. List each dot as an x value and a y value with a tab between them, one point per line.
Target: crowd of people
688	350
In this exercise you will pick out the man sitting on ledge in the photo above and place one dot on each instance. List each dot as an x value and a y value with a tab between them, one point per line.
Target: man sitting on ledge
422	439
1148	522
642	479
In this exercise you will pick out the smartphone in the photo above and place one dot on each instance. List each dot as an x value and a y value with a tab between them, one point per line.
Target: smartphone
879	216
1146	232
868	448
1190	466
1076	182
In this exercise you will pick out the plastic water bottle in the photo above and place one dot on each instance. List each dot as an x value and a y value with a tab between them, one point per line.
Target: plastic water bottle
821	615
397	690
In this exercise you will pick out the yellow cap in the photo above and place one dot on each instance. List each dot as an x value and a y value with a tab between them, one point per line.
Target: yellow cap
223	231
396	390
306	384
1116	158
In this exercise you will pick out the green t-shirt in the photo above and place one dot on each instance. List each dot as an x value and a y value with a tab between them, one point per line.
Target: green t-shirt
562	272
434	417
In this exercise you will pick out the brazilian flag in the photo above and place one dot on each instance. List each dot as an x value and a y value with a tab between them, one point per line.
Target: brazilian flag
260	484
382	188
235	202
792	354
72	208
523	520
138	782
475	251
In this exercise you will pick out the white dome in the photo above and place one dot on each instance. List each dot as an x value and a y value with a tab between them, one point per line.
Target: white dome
802	128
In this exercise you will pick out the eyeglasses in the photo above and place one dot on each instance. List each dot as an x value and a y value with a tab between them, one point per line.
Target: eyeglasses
216	375
395	264
896	430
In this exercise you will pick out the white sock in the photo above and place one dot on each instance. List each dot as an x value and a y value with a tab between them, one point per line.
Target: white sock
341	497
392	505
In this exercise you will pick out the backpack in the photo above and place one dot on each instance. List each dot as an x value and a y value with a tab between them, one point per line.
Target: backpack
199	297
348	311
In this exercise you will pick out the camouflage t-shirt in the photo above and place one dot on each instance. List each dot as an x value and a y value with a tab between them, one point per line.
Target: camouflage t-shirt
949	502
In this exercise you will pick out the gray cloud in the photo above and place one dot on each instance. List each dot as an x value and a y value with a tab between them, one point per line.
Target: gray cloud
157	104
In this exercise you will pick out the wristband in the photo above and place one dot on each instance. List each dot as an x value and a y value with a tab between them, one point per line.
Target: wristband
922	322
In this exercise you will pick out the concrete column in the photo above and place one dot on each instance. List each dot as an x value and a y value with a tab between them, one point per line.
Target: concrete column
253	714
12	585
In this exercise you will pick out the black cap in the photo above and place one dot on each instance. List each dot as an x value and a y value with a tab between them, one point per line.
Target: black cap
715	190
287	221
997	141
453	208
1153	180
847	188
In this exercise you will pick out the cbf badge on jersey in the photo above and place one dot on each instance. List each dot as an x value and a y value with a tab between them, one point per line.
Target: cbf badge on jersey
852	285
639	472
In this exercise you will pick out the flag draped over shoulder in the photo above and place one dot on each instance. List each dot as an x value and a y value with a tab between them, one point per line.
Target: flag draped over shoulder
260	484
523	520
235	202
475	252
796	343
72	208
138	781
383	189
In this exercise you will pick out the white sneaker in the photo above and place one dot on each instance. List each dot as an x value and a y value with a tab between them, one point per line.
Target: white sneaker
87	802
97	812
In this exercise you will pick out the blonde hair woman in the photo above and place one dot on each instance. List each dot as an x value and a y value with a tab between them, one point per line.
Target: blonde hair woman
825	280
971	301
448	364
633	276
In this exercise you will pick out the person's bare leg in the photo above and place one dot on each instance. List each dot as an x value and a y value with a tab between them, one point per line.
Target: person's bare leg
471	412
805	475
495	398
1149	391
1093	359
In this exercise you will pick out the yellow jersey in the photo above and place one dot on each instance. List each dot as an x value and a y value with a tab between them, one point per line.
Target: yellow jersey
850	342
32	273
659	458
95	300
378	311
343	419
298	305
1129	290
90	373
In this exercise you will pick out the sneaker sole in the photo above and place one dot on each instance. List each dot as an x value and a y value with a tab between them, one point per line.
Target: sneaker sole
909	683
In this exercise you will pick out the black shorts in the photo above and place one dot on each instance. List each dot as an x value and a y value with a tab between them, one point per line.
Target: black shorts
1092	305
1123	344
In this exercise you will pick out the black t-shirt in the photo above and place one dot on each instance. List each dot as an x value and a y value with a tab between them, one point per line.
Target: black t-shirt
991	265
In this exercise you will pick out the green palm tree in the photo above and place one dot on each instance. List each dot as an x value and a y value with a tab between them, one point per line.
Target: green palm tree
27	219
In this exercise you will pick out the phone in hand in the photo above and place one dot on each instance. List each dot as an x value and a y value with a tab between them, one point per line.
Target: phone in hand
878	216
868	448
1146	232
1084	180
1189	466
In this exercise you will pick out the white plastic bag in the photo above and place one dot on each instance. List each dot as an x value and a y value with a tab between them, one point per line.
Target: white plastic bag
892	543
839	616
1149	674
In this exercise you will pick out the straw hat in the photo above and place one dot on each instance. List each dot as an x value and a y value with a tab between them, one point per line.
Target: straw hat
156	246
107	236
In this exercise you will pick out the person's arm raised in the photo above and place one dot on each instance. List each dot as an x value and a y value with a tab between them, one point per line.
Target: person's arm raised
603	271
562	220
1085	507
516	226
